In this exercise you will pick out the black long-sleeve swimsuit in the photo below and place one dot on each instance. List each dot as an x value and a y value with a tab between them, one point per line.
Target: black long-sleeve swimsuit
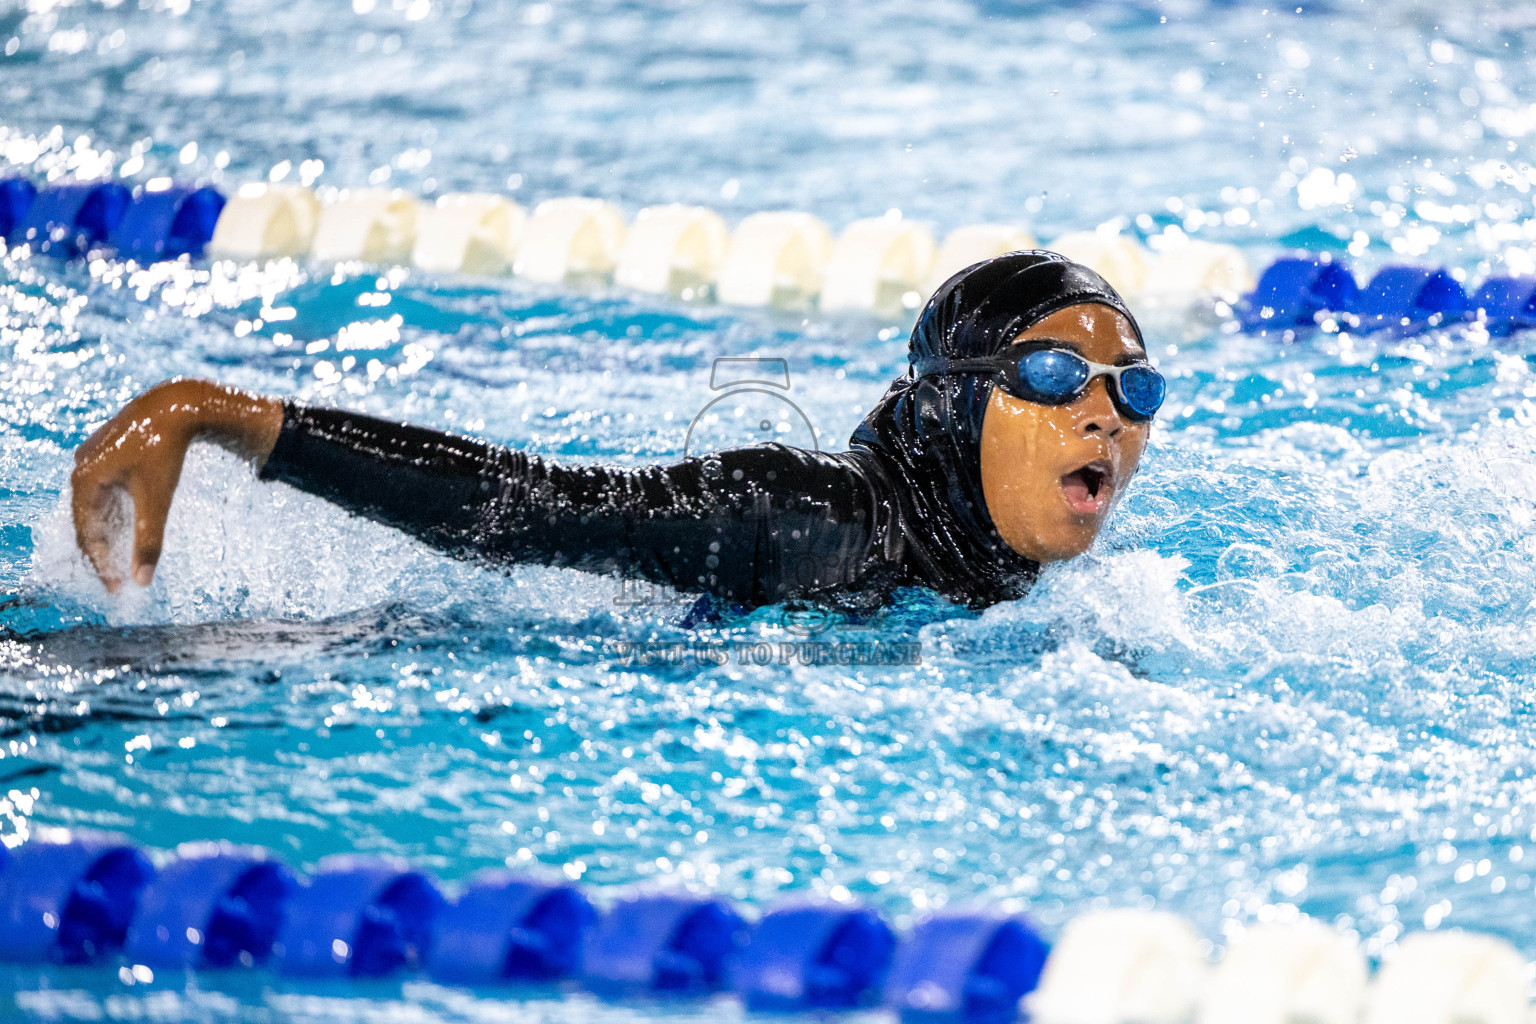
756	525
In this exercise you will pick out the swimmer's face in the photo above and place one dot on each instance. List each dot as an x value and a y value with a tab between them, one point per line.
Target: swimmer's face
1051	473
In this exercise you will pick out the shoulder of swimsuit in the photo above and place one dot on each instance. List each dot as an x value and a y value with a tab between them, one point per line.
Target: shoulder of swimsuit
777	523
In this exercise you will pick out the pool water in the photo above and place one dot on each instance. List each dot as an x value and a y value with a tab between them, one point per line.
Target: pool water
1290	678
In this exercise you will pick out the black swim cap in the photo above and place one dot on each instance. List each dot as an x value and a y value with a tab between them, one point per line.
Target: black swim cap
979	311
927	430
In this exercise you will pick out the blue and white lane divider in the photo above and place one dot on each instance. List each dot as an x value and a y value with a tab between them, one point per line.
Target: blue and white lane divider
788	259
96	899
882	265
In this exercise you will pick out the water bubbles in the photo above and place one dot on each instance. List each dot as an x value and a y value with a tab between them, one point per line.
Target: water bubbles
1188	81
1321	187
1294	54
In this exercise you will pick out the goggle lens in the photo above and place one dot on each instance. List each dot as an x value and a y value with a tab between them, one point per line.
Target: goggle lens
1143	390
1054	374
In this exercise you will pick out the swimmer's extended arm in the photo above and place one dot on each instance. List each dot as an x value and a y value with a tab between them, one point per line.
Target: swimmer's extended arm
141	450
753	525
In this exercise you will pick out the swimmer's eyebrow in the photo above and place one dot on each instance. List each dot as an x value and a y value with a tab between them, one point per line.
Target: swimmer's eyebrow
1041	342
1124	359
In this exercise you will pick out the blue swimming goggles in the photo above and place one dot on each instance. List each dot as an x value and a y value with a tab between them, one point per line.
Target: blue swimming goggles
1051	375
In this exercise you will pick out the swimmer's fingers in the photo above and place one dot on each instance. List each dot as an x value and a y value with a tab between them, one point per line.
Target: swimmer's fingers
91	502
151	508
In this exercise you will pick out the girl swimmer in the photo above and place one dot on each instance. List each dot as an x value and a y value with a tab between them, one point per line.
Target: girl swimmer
1022	417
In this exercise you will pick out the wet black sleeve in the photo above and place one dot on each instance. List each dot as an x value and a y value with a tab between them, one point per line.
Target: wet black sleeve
753	525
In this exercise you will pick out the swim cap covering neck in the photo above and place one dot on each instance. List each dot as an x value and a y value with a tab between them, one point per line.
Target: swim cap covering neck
927	430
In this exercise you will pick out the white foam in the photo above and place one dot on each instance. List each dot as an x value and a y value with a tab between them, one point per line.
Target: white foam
238	548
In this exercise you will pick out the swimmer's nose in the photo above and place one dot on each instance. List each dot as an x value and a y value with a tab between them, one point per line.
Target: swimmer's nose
1097	415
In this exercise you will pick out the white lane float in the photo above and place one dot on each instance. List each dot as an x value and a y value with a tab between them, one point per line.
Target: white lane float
571	239
262	221
1184	269
775	259
374	225
786	259
1300	972
673	250
972	244
877	265
1450	977
1118	259
468	233
1121	967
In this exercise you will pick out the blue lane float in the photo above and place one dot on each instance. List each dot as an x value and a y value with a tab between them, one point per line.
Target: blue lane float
360	918
966	969
69	902
1505	304
1400	299
506	929
167	224
16	195
664	944
70	220
814	957
214	908
91	898
1294	290
1406	299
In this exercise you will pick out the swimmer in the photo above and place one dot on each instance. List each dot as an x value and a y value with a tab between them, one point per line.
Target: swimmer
1021	419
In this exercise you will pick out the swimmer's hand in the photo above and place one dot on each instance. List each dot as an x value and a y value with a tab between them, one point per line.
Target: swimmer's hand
140	451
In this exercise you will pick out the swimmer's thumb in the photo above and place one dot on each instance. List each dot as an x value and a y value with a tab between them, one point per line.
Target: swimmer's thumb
150	510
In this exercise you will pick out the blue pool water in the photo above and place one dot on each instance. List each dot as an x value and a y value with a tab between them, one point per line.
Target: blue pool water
1293	675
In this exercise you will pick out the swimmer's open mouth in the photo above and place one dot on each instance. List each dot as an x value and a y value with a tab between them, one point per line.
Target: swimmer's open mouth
1088	489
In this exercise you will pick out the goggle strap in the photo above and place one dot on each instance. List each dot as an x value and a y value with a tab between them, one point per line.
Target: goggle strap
938	365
